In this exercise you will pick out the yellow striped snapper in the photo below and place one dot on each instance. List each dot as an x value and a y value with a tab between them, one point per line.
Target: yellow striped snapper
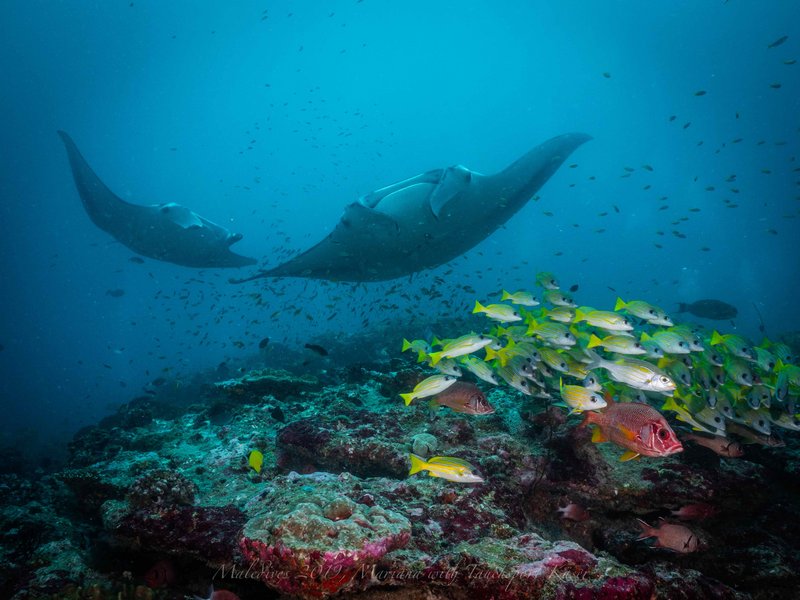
604	319
644	310
521	298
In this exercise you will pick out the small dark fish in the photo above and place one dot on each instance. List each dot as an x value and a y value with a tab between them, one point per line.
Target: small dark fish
710	309
778	42
700	93
137	260
574	288
672	118
318	349
607	75
263	343
160	574
616	208
115	293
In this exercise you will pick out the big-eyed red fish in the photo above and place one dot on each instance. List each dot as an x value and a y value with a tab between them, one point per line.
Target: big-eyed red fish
463	397
637	427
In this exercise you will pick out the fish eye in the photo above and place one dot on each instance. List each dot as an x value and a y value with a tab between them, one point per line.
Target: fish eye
662	433
664	379
637	345
761	422
717	419
593	399
651	311
681	344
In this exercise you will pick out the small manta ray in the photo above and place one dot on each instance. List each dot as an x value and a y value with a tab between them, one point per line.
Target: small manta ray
168	232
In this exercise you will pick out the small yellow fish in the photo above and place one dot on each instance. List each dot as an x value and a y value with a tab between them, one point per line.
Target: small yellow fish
579	398
256	460
521	298
603	319
644	310
446	467
498	312
547	280
429	387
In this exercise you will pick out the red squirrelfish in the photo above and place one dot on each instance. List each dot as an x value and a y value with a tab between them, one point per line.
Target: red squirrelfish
637	427
161	574
573	512
463	397
695	512
672	537
721	445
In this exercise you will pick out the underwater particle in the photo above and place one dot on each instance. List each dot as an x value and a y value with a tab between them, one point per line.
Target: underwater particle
424	444
115	293
263	343
778	42
317	349
255	460
446	467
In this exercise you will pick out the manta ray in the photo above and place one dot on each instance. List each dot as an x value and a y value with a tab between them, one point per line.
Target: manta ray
415	224
168	232
425	221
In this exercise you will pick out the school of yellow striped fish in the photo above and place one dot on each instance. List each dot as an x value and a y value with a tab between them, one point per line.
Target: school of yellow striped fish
579	357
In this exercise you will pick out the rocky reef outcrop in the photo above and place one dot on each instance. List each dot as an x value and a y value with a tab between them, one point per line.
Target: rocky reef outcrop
332	511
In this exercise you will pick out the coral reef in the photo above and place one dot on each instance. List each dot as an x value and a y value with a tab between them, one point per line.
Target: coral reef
333	511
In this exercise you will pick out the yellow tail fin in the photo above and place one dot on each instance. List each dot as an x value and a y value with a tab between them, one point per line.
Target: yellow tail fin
417	464
478	308
594	341
435	357
620	304
406	344
716	338
505	296
407	398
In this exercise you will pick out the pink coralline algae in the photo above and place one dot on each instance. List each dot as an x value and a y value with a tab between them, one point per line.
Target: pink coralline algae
321	546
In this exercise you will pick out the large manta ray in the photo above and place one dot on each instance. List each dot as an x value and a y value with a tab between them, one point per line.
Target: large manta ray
426	220
168	232
400	229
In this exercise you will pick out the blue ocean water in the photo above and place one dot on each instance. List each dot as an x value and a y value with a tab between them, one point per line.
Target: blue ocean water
270	117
